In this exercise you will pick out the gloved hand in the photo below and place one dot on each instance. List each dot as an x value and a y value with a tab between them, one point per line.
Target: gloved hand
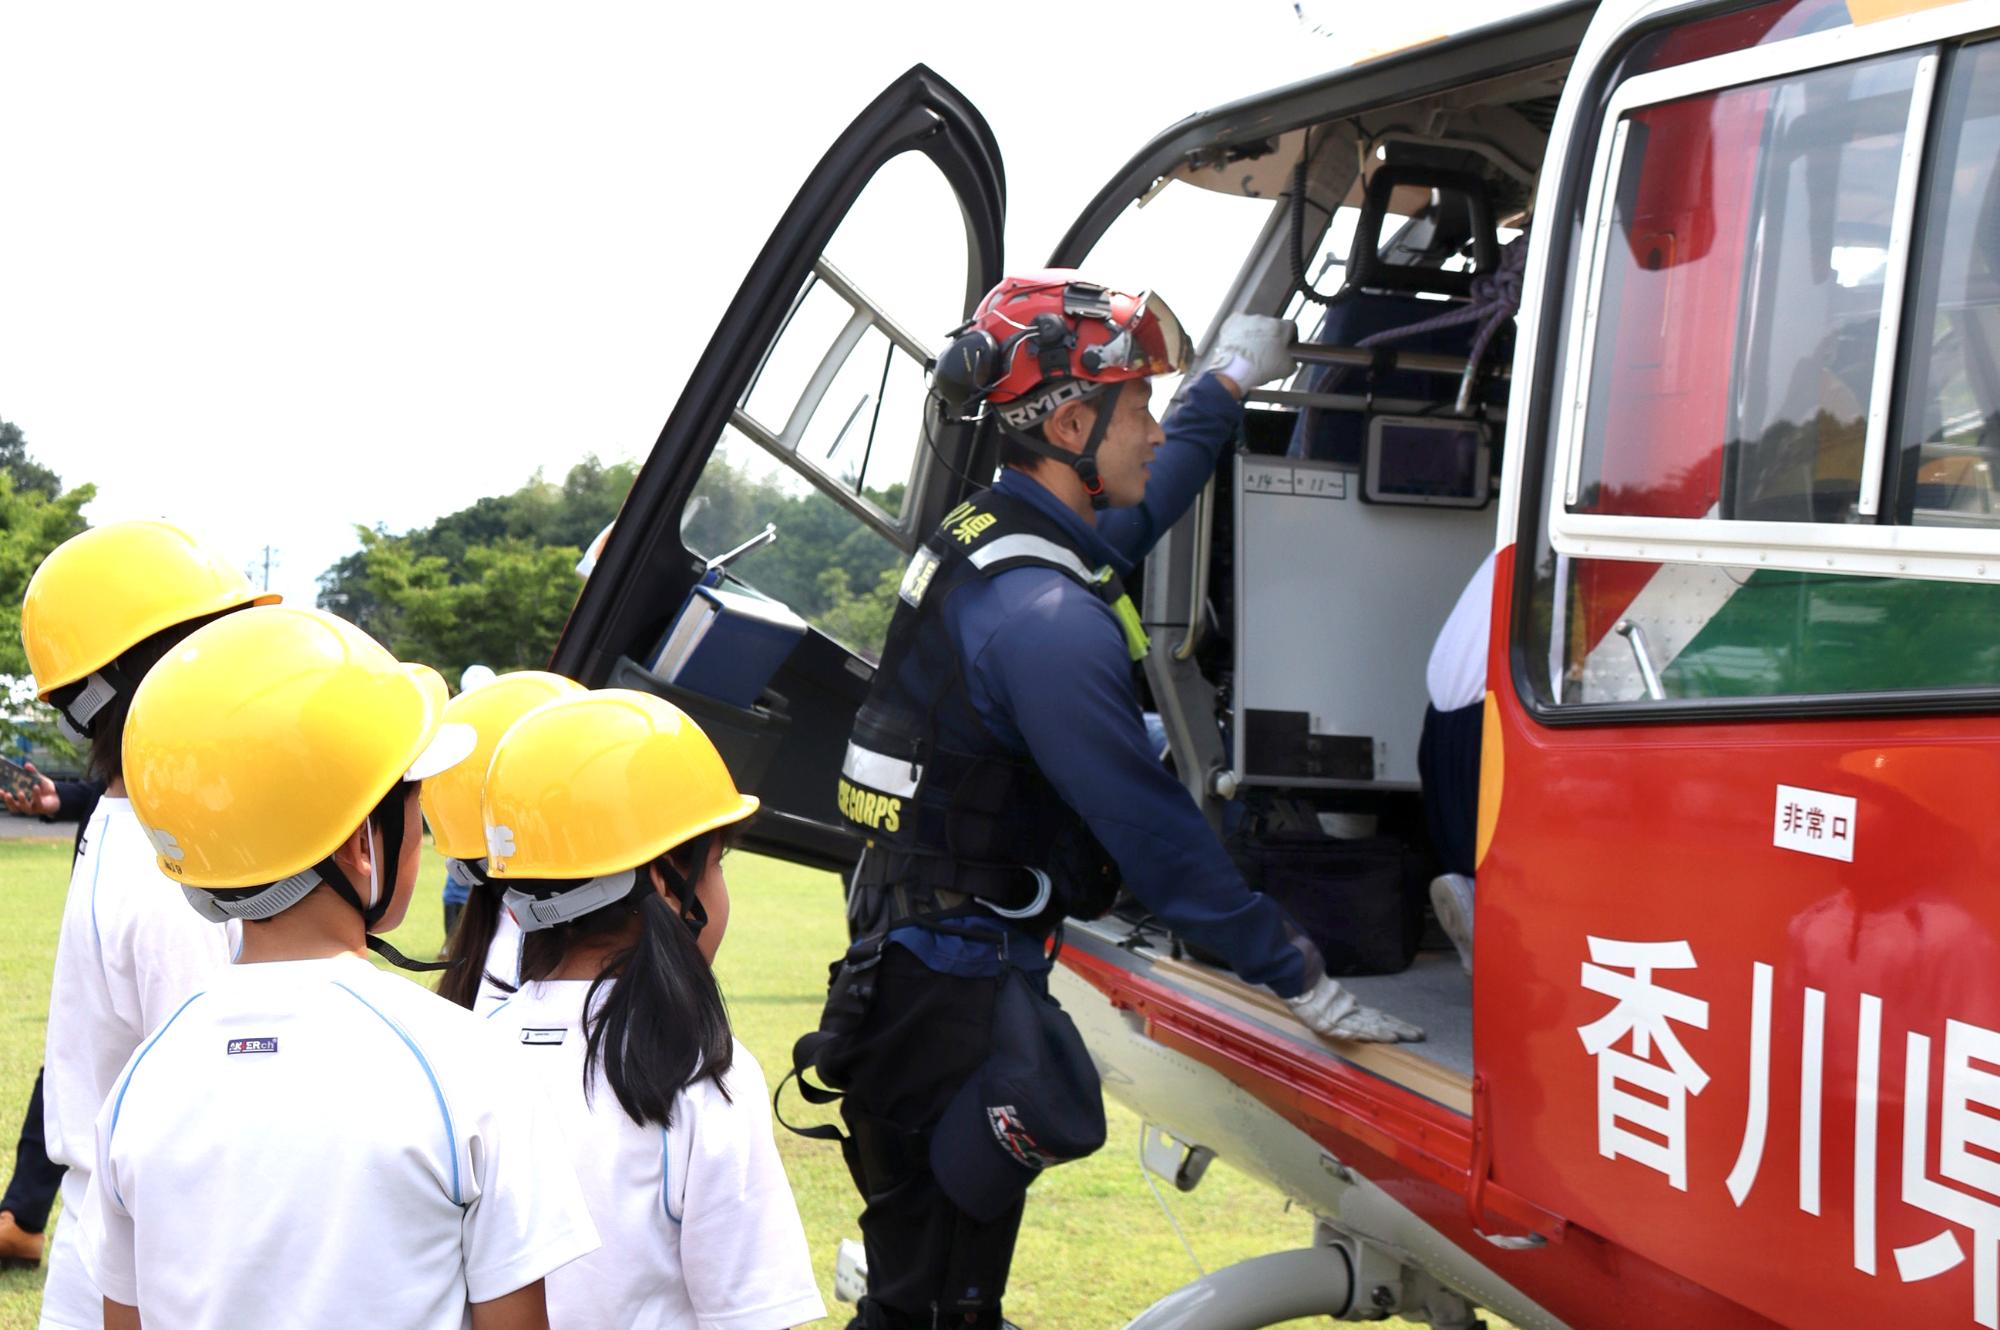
1330	1010
1253	349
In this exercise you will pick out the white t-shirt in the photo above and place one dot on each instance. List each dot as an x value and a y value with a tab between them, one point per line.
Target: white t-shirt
319	1144
1457	672
130	951
700	1228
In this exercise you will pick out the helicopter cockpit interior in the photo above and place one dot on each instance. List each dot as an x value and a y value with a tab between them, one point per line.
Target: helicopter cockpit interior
1358	508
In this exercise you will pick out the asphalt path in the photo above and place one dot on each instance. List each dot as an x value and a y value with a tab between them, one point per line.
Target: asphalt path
33	828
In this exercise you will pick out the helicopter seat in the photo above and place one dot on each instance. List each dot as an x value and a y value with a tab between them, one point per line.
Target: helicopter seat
1384	294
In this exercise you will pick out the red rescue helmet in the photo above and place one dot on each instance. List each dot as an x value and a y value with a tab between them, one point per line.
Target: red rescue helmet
1044	338
1039	340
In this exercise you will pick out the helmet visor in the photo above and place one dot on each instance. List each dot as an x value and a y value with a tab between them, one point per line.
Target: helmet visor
1150	342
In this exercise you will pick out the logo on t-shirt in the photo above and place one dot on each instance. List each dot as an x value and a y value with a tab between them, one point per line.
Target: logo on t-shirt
264	1044
530	1035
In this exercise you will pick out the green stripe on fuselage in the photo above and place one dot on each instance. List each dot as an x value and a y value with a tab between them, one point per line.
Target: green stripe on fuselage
1803	633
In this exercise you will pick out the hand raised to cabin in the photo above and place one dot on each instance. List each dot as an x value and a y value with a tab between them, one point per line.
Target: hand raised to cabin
1328	1009
1251	349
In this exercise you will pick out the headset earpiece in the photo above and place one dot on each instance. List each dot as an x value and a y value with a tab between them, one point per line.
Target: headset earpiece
964	372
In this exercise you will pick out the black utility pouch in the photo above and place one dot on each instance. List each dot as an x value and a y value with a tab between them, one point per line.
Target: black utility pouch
850	991
1360	901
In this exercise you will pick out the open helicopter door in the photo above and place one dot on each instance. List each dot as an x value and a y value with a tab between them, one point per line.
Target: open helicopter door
806	414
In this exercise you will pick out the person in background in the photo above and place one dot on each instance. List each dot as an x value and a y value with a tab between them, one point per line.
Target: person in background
309	1141
1448	753
605	814
488	947
55	800
32	1188
102	609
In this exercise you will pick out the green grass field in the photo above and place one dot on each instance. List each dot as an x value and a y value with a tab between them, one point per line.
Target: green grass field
1094	1252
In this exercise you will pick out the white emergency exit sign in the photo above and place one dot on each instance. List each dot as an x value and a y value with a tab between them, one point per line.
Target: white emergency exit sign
1814	822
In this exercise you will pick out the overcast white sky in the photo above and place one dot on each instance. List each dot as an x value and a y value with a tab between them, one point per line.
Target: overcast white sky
269	271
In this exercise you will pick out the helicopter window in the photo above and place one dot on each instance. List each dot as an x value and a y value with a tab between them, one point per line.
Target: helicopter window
827	442
1732	367
1740	361
1749	231
834	571
1950	436
839	395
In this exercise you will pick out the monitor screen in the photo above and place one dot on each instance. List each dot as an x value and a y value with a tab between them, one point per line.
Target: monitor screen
1420	461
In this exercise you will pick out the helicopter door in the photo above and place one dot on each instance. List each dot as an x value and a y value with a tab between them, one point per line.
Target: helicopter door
1739	958
750	575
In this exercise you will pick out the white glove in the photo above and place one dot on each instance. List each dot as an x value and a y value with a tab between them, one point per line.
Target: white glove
1253	349
1330	1010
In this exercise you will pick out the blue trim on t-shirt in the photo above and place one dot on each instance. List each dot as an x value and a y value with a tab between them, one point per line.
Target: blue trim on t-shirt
97	871
666	1180
450	1136
497	1010
118	1105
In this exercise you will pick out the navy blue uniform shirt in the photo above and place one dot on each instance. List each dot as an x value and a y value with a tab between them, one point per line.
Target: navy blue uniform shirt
1049	675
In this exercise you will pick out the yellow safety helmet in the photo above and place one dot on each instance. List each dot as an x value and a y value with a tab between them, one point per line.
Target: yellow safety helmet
451	800
265	739
102	592
602	782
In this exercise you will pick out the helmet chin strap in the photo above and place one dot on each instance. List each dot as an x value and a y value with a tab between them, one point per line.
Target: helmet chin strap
385	831
1085	462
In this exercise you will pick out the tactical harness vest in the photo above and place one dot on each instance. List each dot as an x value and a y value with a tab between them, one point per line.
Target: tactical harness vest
944	828
951	834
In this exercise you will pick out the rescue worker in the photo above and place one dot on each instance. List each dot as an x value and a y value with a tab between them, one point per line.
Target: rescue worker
1002	777
309	1141
100	611
484	943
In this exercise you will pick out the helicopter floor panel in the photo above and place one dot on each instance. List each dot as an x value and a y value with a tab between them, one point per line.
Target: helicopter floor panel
1433	993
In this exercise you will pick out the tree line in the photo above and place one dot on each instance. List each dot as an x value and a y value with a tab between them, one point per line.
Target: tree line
492	583
37	513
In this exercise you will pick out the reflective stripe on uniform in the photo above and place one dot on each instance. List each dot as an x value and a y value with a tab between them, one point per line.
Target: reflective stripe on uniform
878	771
1023	546
1137	643
1043	550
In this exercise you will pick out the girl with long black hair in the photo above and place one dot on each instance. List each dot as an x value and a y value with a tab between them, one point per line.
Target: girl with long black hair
605	816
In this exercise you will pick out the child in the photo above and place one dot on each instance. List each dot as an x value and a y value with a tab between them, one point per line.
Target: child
309	1141
604	818
490	943
101	609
